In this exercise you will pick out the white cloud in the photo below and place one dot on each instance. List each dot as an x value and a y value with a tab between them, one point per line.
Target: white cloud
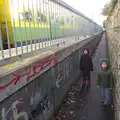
90	8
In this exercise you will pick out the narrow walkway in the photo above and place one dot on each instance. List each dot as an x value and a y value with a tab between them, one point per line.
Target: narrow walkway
86	104
92	109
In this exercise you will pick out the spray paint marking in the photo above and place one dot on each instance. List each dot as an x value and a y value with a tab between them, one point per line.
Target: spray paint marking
16	111
31	72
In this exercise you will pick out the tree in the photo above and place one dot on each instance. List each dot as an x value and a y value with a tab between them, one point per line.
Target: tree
106	9
114	2
109	7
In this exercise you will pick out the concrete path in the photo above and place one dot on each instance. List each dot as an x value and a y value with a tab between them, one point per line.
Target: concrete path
92	109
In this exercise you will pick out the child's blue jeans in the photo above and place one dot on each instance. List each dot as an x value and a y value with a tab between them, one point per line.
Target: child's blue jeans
106	92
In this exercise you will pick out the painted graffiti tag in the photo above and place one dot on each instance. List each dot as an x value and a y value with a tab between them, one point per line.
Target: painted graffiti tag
59	79
16	111
63	75
43	104
40	104
31	72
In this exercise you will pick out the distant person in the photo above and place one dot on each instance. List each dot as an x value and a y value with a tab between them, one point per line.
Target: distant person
86	66
105	81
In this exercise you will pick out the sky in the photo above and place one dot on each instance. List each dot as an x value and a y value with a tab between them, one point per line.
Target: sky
90	8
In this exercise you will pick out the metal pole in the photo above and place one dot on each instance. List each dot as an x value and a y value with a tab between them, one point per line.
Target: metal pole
47	22
52	22
51	26
38	20
40	9
37	27
78	26
7	28
72	25
50	31
63	26
45	14
54	7
56	28
34	24
57	22
25	28
13	22
30	24
20	28
2	51
43	25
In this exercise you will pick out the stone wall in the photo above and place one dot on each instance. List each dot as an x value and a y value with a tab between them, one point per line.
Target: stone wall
113	35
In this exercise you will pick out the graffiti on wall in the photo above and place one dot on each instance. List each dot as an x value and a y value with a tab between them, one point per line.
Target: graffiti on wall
40	103
41	107
64	72
17	111
30	73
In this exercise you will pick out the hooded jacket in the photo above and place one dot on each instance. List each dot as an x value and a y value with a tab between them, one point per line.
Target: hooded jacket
86	63
105	78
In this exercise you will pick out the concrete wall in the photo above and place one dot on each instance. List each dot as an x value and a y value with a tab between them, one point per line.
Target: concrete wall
33	88
113	34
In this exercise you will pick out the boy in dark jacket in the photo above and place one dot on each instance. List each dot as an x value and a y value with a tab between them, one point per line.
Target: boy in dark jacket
105	81
86	65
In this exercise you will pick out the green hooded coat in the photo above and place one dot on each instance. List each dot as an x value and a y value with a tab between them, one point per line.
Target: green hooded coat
105	77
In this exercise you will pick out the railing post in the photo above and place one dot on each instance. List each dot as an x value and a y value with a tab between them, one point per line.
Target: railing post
7	26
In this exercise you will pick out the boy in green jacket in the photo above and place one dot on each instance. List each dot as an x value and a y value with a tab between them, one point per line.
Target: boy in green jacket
105	81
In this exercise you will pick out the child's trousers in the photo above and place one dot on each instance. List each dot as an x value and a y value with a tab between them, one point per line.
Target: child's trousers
86	77
106	93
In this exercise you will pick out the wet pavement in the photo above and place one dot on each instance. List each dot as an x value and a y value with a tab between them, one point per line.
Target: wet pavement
85	103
